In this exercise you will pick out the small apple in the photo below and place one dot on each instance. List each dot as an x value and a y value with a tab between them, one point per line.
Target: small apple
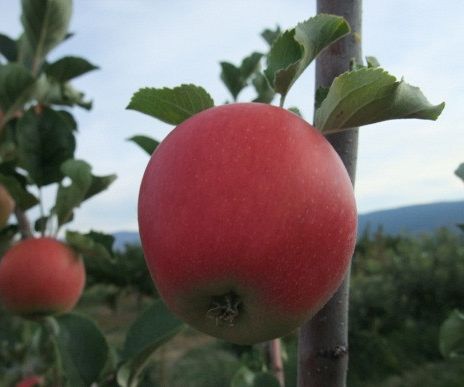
7	205
39	277
247	220
31	381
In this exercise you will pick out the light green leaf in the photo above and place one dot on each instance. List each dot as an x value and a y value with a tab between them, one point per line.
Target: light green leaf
49	91
148	144
369	95
70	196
15	88
45	25
250	65
172	106
45	141
372	61
293	51
68	68
82	347
153	328
452	336
244	377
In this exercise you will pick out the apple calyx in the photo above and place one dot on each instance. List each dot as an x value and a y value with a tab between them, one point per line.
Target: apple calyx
225	308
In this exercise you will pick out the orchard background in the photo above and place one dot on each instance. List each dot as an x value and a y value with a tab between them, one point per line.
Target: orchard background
403	286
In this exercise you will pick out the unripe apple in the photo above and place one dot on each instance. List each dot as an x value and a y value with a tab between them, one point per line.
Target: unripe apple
39	277
7	205
247	220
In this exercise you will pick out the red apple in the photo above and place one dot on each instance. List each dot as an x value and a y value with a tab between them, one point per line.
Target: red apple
7	205
40	277
31	381
248	221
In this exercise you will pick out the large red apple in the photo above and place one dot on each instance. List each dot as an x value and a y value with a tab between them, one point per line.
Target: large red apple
39	277
7	205
248	221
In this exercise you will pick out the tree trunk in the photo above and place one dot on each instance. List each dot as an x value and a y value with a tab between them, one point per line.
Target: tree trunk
323	341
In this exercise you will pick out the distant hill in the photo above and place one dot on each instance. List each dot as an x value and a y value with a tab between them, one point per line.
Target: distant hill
414	220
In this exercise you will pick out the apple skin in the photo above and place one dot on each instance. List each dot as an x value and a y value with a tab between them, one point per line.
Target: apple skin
7	205
40	277
246	200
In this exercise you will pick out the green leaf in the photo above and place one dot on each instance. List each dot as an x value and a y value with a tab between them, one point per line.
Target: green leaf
295	110
370	95
372	61
459	172
45	25
172	106
293	51
105	240
70	196
148	144
232	78
15	88
250	65
82	347
49	91
153	327
99	184
321	94
40	225
452	336
8	48
244	377
270	35
87	244
265	379
24	200
45	141
68	68
263	89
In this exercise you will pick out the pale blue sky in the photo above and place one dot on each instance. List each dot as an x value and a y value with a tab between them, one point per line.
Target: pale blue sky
157	43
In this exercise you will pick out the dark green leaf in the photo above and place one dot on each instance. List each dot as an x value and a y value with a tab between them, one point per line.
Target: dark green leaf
148	144
232	78
452	336
6	237
45	25
152	328
87	245
244	377
321	94
172	106
370	95
460	171
40	225
295	110
70	196
99	184
263	89
270	35
68	68
15	87
8	48
24	200
82	347
265	379
103	239
293	51
250	65
45	141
